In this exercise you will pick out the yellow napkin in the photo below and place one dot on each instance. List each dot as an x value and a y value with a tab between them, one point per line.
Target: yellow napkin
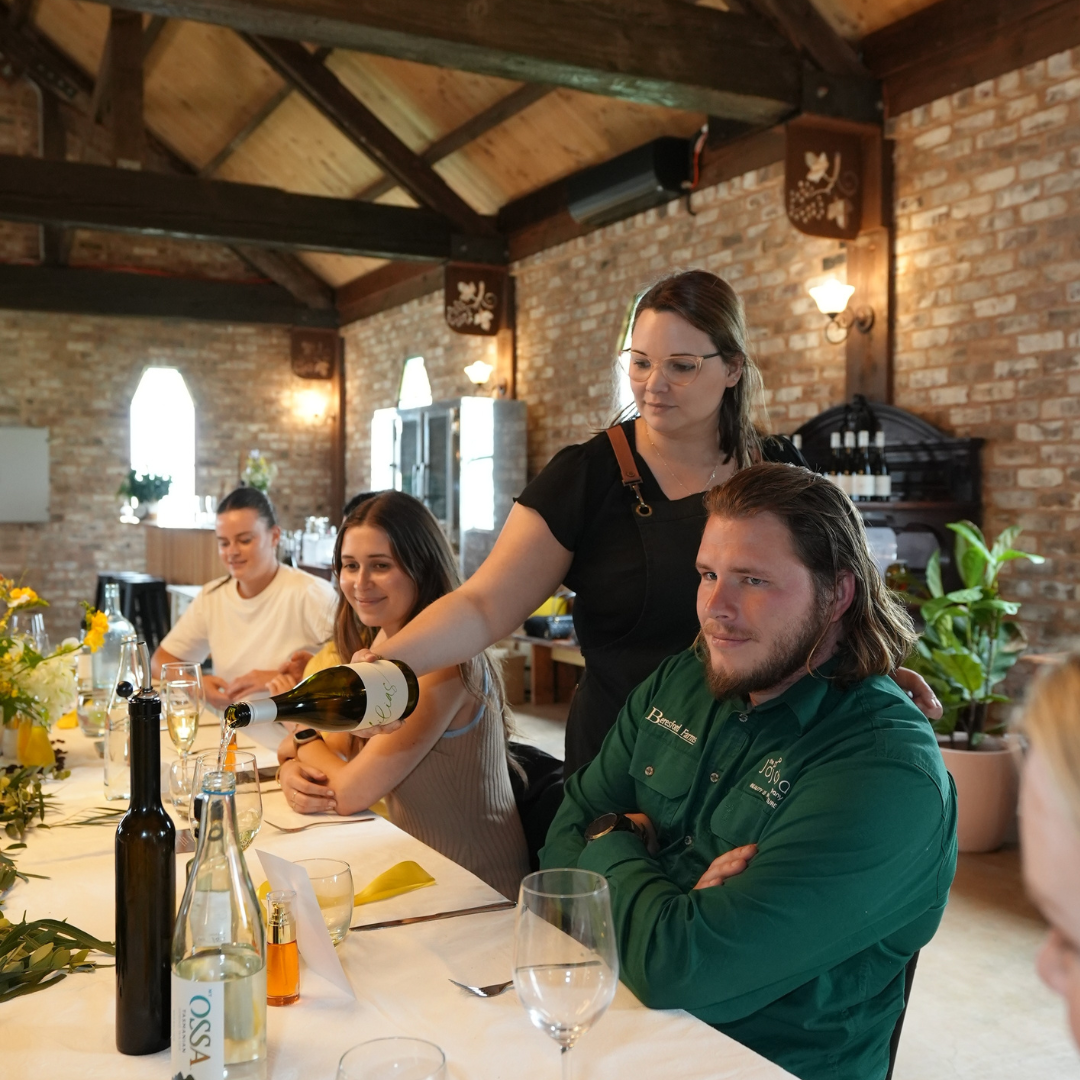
68	720
402	878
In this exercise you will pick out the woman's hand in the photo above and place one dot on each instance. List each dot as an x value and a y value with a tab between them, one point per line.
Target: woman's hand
280	683
918	689
727	866
305	788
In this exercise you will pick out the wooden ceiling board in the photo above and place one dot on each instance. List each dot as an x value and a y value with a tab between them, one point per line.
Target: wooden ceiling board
337	270
76	28
205	86
418	102
299	150
854	19
564	132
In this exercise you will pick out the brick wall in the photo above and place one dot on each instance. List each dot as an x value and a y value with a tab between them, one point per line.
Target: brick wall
76	376
988	307
572	308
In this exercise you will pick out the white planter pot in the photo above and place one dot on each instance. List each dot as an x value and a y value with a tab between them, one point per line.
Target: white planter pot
987	783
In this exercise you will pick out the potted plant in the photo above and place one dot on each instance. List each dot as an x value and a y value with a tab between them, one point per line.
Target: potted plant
969	642
144	492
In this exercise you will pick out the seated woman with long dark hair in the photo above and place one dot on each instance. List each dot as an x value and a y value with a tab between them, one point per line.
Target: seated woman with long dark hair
443	773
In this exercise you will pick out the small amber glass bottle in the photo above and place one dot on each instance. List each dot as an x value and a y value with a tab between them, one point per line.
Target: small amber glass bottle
282	957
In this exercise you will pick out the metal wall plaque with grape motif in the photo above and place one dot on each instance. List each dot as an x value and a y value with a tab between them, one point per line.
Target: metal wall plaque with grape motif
823	181
475	298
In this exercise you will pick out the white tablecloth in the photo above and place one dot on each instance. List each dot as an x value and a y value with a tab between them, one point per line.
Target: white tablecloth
401	975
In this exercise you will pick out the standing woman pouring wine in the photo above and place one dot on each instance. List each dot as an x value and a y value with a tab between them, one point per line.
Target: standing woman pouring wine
619	519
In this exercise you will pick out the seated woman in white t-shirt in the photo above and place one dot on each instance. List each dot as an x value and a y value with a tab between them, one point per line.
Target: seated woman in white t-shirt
254	620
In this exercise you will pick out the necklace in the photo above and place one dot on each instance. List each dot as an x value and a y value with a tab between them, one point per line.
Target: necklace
708	483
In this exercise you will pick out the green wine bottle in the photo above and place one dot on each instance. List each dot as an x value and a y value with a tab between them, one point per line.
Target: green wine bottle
348	697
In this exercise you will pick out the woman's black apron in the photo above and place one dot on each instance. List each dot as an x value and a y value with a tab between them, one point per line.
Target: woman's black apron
670	536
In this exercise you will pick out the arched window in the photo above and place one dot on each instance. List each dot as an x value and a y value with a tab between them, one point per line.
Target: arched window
415	388
163	439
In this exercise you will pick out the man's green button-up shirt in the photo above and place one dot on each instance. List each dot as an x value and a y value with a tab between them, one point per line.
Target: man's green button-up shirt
801	957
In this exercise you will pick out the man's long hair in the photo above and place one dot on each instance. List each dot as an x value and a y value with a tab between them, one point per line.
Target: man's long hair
828	537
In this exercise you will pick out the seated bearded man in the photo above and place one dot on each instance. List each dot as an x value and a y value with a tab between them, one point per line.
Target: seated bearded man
771	812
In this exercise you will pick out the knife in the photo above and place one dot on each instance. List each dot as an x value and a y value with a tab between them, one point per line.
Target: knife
501	905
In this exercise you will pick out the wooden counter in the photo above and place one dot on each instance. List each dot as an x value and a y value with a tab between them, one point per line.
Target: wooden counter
182	556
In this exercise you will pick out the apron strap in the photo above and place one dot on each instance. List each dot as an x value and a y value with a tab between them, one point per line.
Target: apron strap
631	478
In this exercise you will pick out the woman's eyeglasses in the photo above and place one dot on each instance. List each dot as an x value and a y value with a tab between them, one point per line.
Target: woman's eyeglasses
678	370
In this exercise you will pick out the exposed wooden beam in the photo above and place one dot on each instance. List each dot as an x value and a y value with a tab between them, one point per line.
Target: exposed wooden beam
21	11
661	52
808	31
97	197
55	241
387	287
498	113
955	44
102	292
126	88
27	51
365	130
290	273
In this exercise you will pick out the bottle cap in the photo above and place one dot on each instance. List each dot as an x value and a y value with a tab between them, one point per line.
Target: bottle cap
280	924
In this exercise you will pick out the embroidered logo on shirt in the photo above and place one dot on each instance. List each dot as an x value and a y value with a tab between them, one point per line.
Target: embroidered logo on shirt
655	716
772	787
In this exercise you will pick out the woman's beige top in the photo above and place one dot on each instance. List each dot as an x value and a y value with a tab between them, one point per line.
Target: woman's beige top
458	798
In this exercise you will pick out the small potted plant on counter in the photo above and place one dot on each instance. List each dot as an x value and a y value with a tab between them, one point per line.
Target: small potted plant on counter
144	492
969	642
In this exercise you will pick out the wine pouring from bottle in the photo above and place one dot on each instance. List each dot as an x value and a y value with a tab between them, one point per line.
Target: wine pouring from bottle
347	697
145	884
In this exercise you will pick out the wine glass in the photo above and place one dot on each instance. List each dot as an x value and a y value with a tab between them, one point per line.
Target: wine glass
182	696
248	795
31	624
566	964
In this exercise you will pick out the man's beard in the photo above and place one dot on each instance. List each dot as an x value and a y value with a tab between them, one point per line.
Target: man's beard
791	652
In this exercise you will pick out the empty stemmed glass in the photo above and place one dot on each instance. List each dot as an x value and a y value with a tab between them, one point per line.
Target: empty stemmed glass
566	964
248	793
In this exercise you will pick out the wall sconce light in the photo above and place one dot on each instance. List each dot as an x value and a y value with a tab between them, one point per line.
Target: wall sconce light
311	405
832	300
479	372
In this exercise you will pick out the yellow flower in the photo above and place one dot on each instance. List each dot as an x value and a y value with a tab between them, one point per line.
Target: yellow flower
22	597
95	636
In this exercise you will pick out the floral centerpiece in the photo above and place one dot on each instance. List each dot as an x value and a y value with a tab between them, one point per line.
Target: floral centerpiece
35	688
259	472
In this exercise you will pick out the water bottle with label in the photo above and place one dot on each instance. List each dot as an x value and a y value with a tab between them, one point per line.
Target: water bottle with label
219	953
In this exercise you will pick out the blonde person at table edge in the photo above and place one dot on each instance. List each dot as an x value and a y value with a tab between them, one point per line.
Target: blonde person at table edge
1050	827
443	773
253	621
630	559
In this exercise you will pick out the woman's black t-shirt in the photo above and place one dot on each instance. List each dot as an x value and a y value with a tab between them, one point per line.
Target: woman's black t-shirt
580	496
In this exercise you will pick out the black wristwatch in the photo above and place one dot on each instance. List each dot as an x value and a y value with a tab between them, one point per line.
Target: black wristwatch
609	823
305	735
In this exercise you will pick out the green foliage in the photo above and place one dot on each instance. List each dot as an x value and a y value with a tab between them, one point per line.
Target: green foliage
35	955
971	638
22	799
146	489
259	472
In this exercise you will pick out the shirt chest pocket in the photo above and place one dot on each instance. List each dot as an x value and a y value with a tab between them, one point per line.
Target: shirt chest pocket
665	771
739	820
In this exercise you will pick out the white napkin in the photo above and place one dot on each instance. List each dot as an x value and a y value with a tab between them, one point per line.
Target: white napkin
312	937
268	735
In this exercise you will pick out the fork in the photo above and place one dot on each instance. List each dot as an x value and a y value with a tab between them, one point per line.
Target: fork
315	824
494	990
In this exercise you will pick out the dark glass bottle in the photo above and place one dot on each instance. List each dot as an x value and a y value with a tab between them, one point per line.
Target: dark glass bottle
342	698
145	889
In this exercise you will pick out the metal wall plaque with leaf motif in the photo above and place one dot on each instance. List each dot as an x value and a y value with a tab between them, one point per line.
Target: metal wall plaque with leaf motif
475	298
823	181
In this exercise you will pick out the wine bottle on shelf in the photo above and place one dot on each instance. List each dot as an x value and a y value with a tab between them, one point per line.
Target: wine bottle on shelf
833	469
882	477
145	888
219	953
847	464
863	473
348	697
